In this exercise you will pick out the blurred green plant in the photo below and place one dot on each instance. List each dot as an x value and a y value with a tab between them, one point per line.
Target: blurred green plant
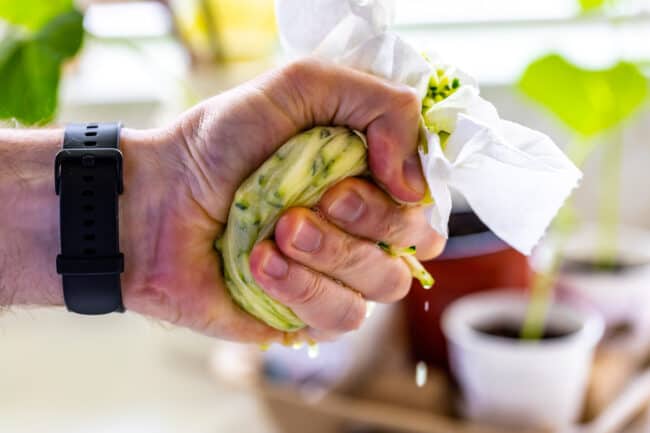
588	101
40	37
593	105
591	5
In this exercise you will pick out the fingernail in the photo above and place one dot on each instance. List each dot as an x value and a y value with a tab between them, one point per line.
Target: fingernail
347	208
413	174
307	238
275	266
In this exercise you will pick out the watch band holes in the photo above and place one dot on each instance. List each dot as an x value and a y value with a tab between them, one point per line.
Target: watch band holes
89	237
92	126
89	223
88	193
91	133
90	251
88	178
89	207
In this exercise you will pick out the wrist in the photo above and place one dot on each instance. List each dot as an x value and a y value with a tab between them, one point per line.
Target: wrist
144	195
29	223
29	226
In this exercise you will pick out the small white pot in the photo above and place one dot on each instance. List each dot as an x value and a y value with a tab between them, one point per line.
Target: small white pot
622	297
515	383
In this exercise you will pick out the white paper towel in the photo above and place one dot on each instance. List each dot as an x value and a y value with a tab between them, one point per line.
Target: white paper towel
513	177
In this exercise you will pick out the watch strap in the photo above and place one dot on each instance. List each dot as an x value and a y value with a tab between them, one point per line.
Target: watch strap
88	179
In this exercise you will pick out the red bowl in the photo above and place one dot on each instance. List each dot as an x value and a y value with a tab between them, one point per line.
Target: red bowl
470	263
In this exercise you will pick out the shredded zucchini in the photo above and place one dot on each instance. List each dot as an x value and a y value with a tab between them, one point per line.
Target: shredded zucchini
298	174
408	255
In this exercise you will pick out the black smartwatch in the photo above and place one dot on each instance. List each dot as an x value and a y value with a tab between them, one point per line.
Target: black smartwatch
88	180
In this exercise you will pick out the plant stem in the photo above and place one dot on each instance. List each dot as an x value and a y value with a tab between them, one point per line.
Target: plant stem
541	293
541	296
608	209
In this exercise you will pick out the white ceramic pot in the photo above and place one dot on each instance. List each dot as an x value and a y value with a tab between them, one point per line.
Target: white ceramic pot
622	296
514	383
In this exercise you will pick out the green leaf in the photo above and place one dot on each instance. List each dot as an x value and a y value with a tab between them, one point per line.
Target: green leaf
33	14
30	68
588	101
63	34
30	76
590	5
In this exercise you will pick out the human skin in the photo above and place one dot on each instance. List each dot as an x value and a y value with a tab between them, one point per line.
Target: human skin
179	184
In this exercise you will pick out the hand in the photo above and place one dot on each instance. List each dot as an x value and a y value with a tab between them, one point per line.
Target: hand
180	182
323	268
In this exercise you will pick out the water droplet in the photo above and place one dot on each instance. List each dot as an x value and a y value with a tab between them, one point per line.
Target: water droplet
421	374
426	305
370	307
312	350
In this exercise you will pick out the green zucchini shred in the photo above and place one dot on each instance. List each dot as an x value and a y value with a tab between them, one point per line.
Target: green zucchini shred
298	174
311	162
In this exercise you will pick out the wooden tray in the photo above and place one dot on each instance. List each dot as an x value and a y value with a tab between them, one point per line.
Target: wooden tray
384	397
391	404
387	399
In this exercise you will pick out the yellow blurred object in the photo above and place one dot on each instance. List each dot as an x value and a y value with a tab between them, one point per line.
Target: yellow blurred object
226	30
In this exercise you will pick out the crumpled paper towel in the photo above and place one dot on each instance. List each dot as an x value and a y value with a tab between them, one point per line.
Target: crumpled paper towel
513	177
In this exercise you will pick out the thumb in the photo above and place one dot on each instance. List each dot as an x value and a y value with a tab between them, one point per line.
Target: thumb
314	92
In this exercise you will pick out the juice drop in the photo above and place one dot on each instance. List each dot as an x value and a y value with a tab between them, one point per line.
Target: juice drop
421	374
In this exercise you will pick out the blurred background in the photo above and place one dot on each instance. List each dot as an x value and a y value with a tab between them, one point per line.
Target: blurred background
575	69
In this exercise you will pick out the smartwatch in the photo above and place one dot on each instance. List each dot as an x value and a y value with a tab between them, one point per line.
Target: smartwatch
88	180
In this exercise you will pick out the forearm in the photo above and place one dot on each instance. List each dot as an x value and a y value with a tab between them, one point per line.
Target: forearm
28	218
29	214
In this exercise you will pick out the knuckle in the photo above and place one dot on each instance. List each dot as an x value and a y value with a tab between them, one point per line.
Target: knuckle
352	316
353	183
398	224
295	213
350	185
301	70
309	292
434	248
388	227
294	68
438	248
286	225
297	79
323	336
397	283
406	99
347	255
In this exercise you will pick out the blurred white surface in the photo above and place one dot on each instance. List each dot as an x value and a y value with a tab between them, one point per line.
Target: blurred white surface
63	373
138	82
497	53
413	11
460	11
124	20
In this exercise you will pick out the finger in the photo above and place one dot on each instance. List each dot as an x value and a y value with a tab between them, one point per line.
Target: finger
320	336
313	92
310	240
309	335
319	301
362	209
392	149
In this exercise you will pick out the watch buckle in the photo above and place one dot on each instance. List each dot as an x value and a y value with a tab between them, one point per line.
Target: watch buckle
88	158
